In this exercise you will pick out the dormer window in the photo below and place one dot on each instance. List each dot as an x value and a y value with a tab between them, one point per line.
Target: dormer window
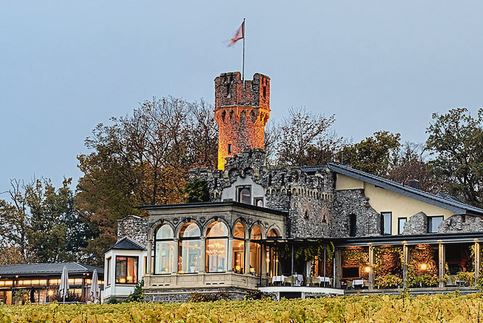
244	194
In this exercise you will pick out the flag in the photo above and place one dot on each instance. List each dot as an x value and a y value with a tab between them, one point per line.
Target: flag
240	34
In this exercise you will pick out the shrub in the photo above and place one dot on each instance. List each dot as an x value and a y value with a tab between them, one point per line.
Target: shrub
467	276
208	297
137	295
388	281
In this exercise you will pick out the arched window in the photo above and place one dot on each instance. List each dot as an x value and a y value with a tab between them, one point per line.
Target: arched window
255	250
245	195
273	267
239	248
273	233
164	250
216	247
189	248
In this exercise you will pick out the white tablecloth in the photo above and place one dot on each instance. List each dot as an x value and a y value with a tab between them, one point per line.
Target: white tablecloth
324	280
357	282
278	279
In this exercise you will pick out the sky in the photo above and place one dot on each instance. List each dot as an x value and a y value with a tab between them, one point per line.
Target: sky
66	66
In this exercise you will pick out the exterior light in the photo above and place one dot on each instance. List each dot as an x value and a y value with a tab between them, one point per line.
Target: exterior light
367	269
423	267
50	292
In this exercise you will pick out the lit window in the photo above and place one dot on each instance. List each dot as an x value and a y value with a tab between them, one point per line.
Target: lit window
386	222
126	270
216	247
400	226
189	248
164	251
433	223
255	250
239	248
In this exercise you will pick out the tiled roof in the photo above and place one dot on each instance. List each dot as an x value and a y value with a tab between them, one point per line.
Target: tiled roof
443	201
127	243
47	269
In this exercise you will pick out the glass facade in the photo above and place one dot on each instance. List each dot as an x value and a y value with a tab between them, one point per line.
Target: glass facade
216	247
189	248
164	250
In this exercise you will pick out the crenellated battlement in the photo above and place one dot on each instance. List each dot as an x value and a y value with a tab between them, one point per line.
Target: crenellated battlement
242	109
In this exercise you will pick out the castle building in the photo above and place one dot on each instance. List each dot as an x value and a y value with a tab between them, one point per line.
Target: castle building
293	231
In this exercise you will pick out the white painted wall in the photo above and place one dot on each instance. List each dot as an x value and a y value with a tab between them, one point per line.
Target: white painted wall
230	192
120	290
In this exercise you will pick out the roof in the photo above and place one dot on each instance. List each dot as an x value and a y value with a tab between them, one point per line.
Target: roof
127	243
45	269
214	204
443	201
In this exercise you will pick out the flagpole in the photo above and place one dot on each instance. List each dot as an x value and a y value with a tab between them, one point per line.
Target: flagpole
243	55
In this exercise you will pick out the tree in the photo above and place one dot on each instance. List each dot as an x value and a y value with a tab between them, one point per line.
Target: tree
142	159
40	223
456	143
14	220
305	139
410	164
374	154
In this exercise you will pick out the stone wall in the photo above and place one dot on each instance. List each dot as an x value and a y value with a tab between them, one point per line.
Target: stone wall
183	295
416	224
461	223
305	193
134	227
347	202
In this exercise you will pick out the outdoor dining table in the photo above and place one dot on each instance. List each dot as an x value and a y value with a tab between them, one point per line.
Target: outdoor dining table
357	283
324	281
278	279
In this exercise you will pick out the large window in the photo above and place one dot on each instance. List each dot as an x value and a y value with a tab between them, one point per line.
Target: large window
164	251
386	222
216	247
239	248
244	194
433	223
189	248
401	222
255	250
126	270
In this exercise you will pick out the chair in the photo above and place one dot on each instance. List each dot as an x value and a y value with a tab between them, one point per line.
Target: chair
290	280
314	281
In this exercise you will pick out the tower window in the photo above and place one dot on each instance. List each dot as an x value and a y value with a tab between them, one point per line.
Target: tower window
352	225
245	194
229	149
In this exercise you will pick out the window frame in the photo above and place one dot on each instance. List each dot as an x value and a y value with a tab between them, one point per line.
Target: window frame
383	223
239	190
211	238
161	240
429	222
352	225
117	281
399	232
180	248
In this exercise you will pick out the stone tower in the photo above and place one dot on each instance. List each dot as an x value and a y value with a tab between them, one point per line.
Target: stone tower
242	110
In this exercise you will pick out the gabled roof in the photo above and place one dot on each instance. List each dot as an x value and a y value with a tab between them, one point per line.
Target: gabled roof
44	269
441	201
127	243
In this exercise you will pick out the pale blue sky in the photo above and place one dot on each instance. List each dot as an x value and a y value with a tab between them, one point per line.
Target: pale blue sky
67	65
